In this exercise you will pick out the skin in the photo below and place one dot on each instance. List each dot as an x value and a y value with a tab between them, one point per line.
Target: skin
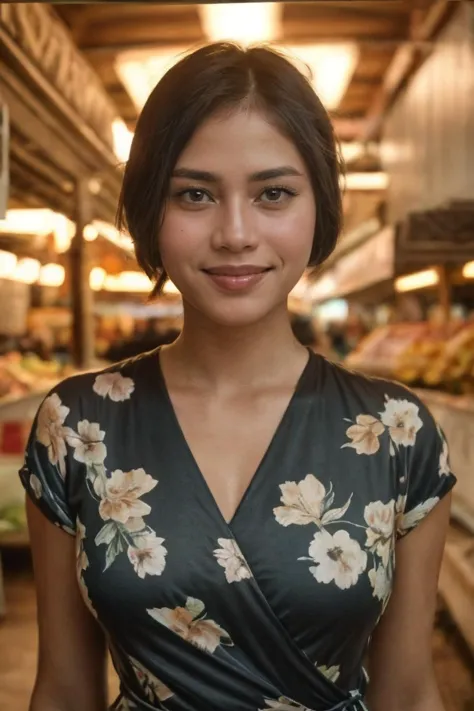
236	362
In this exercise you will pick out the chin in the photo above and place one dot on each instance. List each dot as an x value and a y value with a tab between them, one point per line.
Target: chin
238	313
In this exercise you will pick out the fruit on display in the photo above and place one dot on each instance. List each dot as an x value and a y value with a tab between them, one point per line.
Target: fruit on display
12	518
420	355
22	374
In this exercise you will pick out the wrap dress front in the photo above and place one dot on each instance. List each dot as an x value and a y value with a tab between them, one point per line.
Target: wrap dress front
273	610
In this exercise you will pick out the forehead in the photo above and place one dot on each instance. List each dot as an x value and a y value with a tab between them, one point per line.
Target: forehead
244	138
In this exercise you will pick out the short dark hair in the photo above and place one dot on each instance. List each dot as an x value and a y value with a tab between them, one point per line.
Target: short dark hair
214	77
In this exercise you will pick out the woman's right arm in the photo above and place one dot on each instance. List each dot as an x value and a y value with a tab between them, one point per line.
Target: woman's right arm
72	670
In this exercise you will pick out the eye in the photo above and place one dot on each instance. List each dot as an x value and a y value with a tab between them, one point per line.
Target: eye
277	195
194	196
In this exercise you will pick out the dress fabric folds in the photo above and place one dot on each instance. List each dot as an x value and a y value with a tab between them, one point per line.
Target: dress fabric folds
273	610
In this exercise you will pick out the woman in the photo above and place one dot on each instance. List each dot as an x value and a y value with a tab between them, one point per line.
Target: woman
235	503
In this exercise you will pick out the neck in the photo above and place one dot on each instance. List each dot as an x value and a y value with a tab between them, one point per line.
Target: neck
223	357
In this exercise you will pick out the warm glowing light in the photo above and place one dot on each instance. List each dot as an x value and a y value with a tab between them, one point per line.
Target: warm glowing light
27	271
8	263
40	222
419	280
331	67
245	23
170	288
111	233
122	139
365	181
128	282
468	270
141	70
51	275
90	233
97	278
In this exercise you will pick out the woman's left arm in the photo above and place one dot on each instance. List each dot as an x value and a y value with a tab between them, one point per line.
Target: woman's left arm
400	657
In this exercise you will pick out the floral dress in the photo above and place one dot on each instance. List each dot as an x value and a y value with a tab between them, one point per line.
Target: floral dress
274	609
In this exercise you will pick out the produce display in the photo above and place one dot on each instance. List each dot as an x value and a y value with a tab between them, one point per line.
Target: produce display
420	355
24	374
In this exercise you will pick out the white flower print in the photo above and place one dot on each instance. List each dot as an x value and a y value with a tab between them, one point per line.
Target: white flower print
380	582
307	502
125	705
410	519
36	486
365	435
154	688
81	556
403	422
87	443
230	557
380	534
332	673
339	558
147	555
50	430
123	490
444	468
190	623
114	385
283	703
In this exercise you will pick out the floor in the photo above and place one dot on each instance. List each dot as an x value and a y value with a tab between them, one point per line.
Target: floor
453	663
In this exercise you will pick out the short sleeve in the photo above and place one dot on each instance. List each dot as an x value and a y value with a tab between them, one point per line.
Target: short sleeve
44	473
427	477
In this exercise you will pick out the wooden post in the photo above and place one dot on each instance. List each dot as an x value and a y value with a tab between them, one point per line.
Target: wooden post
444	293
81	294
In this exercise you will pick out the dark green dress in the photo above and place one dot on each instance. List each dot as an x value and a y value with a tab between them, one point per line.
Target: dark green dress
273	610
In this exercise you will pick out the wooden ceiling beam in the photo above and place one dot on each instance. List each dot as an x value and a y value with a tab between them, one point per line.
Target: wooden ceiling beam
426	22
38	165
109	49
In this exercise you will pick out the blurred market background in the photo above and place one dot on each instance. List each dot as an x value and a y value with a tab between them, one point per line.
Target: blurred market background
396	299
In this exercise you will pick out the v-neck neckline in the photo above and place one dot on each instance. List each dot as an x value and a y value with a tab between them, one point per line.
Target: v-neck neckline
261	465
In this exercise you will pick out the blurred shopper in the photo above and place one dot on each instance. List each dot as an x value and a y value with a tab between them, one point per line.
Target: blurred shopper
232	505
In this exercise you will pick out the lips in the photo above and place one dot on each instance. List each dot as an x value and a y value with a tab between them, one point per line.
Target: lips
236	271
234	279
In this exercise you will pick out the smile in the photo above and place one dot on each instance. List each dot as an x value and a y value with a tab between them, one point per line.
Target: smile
237	278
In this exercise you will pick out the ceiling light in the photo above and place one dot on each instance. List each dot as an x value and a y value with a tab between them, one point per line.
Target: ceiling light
128	282
331	68
8	263
468	270
51	275
97	278
246	23
90	233
122	139
140	71
120	239
365	181
170	288
40	222
419	280
27	271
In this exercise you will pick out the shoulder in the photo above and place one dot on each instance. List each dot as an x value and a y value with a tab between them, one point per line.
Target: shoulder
372	393
115	383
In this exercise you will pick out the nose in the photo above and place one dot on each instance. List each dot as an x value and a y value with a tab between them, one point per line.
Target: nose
235	230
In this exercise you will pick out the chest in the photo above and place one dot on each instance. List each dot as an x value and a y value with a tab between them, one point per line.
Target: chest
228	439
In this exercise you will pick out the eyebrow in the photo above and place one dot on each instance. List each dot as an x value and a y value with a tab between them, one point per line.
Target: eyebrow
261	175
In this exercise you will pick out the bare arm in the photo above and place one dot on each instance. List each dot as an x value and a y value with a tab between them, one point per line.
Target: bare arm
400	662
71	672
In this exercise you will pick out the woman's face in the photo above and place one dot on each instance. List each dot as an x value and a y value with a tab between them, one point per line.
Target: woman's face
240	220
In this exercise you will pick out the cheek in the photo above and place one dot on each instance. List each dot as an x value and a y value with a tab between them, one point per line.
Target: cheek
292	236
179	238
